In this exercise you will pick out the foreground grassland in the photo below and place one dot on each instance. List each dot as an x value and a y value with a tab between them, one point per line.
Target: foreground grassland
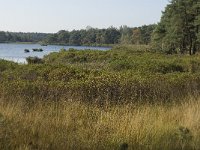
125	97
75	125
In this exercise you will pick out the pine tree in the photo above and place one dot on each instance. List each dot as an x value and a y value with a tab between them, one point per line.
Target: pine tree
178	29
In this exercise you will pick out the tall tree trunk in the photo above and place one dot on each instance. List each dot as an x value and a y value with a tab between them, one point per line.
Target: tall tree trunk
194	48
190	47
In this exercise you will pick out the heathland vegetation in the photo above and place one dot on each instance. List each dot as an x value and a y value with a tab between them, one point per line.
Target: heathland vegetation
129	97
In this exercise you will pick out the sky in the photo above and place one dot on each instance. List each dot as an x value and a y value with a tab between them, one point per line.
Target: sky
50	16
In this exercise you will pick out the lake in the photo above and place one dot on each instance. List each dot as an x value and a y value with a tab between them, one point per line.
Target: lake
15	52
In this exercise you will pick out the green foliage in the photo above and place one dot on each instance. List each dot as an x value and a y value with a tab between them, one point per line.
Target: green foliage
3	37
103	89
91	36
21	37
34	60
118	75
5	65
119	65
178	29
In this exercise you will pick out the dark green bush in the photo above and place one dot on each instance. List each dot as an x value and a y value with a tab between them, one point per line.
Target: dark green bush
4	65
119	65
34	60
166	67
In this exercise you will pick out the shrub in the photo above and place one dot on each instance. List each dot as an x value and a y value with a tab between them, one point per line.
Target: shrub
119	65
34	60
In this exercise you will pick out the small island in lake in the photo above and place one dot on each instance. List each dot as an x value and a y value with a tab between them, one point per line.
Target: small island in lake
38	50
26	50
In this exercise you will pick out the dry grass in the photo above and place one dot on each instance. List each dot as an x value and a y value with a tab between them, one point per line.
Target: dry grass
75	125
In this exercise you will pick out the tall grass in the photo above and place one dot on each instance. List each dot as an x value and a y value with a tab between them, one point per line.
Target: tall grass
77	125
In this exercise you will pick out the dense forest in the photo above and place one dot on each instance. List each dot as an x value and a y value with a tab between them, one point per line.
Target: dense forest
179	28
88	36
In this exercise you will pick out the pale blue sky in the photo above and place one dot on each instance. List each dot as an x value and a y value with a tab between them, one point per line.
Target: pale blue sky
54	15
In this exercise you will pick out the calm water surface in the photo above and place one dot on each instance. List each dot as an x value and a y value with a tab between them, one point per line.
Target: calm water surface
15	52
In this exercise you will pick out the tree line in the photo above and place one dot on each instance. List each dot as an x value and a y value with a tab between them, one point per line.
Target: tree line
21	37
88	36
111	35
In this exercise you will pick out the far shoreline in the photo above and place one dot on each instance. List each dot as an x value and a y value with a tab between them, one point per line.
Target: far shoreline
59	44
